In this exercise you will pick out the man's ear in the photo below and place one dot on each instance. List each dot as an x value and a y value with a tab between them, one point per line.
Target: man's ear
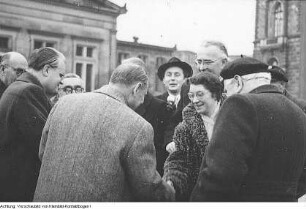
45	71
239	83
136	88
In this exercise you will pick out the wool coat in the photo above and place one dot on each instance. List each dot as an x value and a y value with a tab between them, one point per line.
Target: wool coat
182	166
24	108
257	150
155	112
2	88
95	148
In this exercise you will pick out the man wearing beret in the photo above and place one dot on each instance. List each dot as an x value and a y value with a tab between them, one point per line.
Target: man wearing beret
258	146
279	79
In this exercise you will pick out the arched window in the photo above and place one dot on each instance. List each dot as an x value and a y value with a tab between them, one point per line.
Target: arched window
278	19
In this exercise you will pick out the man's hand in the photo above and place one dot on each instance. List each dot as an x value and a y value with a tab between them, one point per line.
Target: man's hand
170	147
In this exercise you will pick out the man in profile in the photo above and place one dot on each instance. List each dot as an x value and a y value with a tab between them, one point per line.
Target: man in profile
95	148
12	65
258	146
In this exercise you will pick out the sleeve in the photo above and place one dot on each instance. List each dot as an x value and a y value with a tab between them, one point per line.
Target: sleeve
176	168
302	183
140	165
225	162
31	111
45	132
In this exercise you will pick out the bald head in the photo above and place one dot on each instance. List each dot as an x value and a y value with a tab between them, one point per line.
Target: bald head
12	65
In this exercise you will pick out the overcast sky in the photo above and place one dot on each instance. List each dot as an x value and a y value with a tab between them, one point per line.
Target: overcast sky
187	22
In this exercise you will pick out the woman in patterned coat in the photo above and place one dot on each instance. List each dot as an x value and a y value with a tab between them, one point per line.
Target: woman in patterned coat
192	135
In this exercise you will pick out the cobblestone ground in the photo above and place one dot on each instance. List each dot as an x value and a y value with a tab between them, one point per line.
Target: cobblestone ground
303	198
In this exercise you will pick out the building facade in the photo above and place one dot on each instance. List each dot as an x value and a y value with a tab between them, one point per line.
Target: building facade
83	30
280	39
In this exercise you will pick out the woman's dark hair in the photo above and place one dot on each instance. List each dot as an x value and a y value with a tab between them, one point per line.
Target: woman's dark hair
210	81
44	56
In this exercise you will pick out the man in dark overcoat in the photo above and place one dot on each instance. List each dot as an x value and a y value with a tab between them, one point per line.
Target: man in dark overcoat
24	108
258	146
12	65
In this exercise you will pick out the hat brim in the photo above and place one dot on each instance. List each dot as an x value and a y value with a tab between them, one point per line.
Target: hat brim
183	65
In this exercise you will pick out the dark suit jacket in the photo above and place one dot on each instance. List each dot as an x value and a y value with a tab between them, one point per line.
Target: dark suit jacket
175	118
24	108
154	111
2	88
257	151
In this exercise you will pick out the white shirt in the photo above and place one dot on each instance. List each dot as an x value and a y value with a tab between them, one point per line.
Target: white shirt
174	98
209	122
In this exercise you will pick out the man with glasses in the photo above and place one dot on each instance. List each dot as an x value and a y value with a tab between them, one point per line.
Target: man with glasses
211	56
258	145
71	83
12	65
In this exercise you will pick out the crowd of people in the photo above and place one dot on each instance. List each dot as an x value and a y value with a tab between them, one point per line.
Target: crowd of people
224	131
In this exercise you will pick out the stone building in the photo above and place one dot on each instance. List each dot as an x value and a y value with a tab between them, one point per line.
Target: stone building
280	39
84	30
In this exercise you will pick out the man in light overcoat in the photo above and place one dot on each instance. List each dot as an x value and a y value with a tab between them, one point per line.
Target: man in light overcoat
95	148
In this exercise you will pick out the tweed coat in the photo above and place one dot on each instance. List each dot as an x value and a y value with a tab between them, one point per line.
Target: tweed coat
155	112
182	166
95	148
257	150
24	108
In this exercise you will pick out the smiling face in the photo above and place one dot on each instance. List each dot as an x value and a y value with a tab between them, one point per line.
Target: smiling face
202	99
174	79
211	59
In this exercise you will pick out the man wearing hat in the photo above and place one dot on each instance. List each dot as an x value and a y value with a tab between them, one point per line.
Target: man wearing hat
258	146
173	74
279	79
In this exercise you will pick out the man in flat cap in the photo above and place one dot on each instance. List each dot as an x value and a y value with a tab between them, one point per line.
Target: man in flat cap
279	79
258	146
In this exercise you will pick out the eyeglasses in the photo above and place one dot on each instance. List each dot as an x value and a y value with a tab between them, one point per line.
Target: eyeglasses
198	94
70	89
206	61
18	71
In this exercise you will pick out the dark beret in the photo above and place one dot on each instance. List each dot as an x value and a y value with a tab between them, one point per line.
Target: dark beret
277	73
243	66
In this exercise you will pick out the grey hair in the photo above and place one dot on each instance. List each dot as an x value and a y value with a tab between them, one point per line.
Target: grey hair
129	74
44	56
71	75
217	44
134	60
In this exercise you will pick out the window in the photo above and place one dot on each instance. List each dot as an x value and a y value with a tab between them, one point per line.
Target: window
39	44
159	86
278	20
121	56
143	58
84	51
5	44
85	62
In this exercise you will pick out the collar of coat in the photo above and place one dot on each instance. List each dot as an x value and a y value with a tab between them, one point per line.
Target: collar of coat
111	92
29	78
267	89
